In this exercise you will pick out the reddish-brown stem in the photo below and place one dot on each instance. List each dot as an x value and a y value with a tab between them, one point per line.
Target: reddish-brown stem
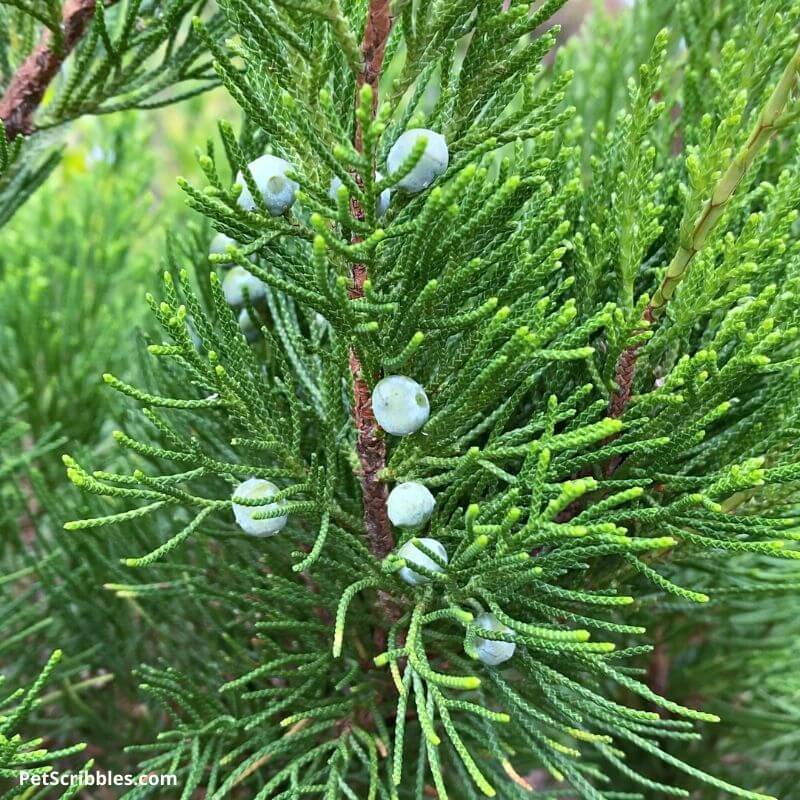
372	455
29	83
371	444
373	46
626	371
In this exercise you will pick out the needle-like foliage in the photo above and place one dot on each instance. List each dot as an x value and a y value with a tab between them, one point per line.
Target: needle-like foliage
65	297
22	759
600	298
61	61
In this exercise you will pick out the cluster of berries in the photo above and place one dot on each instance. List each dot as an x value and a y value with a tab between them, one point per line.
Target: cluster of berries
278	191
399	403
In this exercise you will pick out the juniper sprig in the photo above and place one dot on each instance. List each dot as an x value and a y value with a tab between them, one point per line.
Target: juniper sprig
19	755
61	61
574	326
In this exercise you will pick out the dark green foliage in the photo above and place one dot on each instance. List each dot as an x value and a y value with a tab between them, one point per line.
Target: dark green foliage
21	757
73	263
630	547
17	450
21	176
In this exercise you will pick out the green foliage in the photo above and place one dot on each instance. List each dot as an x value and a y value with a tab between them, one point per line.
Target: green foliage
17	450
613	545
20	177
65	298
73	262
134	55
751	646
20	756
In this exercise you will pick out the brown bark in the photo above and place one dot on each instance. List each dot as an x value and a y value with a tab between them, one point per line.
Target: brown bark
371	443
372	455
28	85
373	46
626	371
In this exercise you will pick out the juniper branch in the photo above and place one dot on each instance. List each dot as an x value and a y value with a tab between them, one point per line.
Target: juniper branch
371	444
766	125
30	82
515	418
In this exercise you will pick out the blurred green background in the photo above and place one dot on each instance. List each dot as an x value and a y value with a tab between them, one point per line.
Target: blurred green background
76	261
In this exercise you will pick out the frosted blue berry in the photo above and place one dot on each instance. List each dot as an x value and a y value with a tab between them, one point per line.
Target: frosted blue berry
236	281
489	651
410	505
415	557
255	489
219	246
333	189
433	163
383	200
269	174
247	326
400	405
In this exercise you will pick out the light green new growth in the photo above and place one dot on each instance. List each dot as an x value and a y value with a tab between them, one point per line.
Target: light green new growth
767	123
